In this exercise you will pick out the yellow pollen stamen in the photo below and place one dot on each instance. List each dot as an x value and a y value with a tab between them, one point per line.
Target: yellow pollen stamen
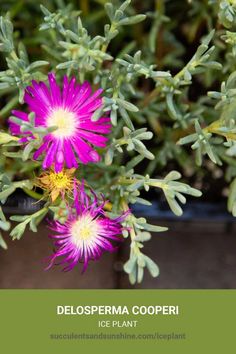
84	229
65	122
59	180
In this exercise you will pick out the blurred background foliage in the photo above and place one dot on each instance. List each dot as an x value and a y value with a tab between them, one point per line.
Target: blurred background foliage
168	38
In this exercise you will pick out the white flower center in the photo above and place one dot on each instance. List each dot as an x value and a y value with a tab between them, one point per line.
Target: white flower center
84	231
65	122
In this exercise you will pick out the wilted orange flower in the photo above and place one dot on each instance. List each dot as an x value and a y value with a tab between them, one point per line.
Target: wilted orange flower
56	184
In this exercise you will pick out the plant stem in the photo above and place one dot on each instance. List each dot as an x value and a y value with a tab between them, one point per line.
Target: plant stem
105	45
8	107
154	183
33	194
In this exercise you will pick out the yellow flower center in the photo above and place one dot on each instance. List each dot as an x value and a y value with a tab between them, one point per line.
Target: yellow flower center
84	229
65	122
59	180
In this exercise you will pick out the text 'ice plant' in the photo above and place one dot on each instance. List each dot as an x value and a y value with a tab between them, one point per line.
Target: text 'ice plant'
70	110
87	233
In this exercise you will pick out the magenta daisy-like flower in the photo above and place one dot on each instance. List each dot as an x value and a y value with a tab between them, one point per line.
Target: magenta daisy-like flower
87	233
69	109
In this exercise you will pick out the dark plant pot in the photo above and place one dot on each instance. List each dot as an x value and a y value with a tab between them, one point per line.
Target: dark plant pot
198	251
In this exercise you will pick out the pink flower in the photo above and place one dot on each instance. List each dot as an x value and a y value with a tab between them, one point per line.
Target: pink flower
87	233
69	109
